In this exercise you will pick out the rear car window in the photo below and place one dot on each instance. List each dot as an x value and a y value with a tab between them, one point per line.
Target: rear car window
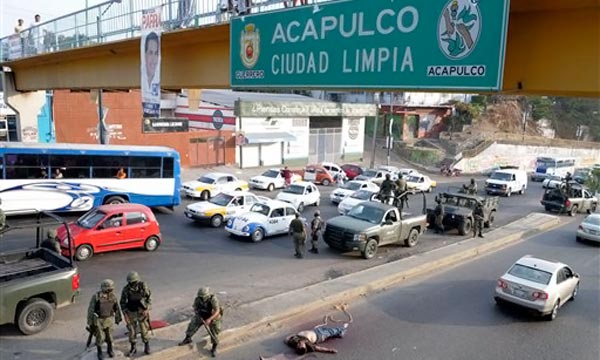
135	218
531	274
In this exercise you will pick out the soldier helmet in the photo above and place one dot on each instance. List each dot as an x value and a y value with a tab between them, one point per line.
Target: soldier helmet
472	181
51	234
204	291
107	285
388	176
133	276
317	213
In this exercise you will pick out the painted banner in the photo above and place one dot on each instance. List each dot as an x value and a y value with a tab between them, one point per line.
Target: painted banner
150	62
378	44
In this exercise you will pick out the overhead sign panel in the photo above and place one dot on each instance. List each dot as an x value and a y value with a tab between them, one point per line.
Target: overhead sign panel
410	44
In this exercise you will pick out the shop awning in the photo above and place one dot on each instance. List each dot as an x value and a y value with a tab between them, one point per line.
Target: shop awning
269	137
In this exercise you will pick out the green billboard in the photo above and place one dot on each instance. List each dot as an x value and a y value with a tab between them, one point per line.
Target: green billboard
379	44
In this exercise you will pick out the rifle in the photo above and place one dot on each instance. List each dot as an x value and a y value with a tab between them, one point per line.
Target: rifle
149	322
212	336
89	329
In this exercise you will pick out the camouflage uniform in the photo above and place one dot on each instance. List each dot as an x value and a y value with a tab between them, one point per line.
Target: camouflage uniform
387	189
439	217
206	306
51	243
316	226
136	302
471	189
299	236
103	313
401	188
478	216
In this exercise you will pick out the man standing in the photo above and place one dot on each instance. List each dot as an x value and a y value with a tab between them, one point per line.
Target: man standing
37	39
439	216
287	176
478	217
208	312
51	242
471	189
316	226
401	188
2	217
386	191
103	313
297	231
136	302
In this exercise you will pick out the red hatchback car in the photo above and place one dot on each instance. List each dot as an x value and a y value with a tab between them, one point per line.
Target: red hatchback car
352	170
112	228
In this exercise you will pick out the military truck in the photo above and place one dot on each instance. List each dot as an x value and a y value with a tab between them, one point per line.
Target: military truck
458	210
36	281
576	198
371	224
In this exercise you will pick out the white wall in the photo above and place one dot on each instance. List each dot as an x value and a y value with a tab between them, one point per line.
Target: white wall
353	135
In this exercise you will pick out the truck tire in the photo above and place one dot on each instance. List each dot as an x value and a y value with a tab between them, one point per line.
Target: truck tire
465	227
413	238
491	219
84	252
35	316
573	210
592	209
115	200
370	249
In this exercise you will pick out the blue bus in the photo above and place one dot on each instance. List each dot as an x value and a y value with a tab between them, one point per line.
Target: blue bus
78	177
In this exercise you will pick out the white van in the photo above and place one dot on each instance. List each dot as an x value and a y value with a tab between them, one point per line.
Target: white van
506	182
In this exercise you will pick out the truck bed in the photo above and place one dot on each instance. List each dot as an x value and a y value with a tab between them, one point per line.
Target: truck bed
34	262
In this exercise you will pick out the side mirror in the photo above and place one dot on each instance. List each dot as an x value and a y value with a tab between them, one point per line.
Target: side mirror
387	222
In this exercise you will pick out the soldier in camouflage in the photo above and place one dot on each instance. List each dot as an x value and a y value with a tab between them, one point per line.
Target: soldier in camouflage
103	314
207	311
136	302
51	242
471	189
316	226
439	216
478	216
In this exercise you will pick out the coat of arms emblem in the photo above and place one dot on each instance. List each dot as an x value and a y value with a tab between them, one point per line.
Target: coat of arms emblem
249	45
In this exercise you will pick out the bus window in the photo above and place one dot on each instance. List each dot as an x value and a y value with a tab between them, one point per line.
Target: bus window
26	166
105	167
145	167
168	165
72	166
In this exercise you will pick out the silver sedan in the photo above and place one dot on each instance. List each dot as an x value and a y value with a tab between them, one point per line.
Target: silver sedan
589	229
542	286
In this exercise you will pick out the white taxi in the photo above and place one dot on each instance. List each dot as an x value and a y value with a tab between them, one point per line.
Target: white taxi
222	207
264	219
420	182
300	195
271	180
355	199
212	184
349	188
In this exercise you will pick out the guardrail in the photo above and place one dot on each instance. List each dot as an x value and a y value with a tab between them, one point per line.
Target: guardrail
120	19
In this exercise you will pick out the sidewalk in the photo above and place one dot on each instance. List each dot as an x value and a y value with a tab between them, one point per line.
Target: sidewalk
253	320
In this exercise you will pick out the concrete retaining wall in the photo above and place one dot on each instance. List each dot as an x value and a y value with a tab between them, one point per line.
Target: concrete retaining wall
524	156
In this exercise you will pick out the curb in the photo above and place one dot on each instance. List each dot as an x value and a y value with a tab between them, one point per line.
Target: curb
344	289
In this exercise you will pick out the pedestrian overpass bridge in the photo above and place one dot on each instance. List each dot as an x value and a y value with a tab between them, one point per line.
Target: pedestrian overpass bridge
553	47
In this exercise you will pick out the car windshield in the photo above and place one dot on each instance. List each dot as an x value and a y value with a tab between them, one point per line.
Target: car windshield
369	173
362	195
271	173
294	189
261	209
351	185
501	176
221	199
555	178
592	220
206	180
414	179
531	274
90	219
366	213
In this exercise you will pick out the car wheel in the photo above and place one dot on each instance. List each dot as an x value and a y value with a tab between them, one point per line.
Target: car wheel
464	227
547	208
491	219
370	249
325	182
554	313
258	235
300	207
84	252
578	239
216	221
573	211
205	195
238	189
318	202
575	292
151	243
115	200
592	209
413	238
271	187
522	190
509	192
35	316
429	190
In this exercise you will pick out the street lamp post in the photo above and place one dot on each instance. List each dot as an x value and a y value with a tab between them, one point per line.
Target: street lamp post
377	99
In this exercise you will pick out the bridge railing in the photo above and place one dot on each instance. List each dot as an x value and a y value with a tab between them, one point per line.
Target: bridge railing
120	19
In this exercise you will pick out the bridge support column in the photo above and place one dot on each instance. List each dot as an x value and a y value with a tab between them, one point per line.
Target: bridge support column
26	106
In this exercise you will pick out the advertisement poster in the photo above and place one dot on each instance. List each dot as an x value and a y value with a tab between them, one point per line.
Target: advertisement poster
150	62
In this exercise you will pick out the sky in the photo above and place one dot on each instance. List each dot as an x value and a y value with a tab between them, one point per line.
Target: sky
11	10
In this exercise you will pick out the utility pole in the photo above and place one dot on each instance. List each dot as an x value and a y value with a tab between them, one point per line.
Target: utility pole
377	99
390	138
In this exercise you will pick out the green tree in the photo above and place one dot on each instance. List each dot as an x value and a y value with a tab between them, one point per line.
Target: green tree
593	182
542	107
572	112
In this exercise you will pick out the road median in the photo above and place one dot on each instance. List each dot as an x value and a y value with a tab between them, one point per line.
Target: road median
253	320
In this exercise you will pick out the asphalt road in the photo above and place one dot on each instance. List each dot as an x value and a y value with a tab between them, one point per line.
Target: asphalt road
194	255
452	315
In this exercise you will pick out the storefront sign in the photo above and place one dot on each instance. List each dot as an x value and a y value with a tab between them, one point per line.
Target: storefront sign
411	44
164	125
301	108
217	119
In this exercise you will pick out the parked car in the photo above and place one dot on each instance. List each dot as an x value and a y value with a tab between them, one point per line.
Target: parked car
271	180
506	182
581	175
352	171
580	199
389	168
212	184
375	176
405	172
111	228
350	187
589	229
420	182
222	207
316	174
300	195
334	170
539	285
553	182
458	211
357	197
264	219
